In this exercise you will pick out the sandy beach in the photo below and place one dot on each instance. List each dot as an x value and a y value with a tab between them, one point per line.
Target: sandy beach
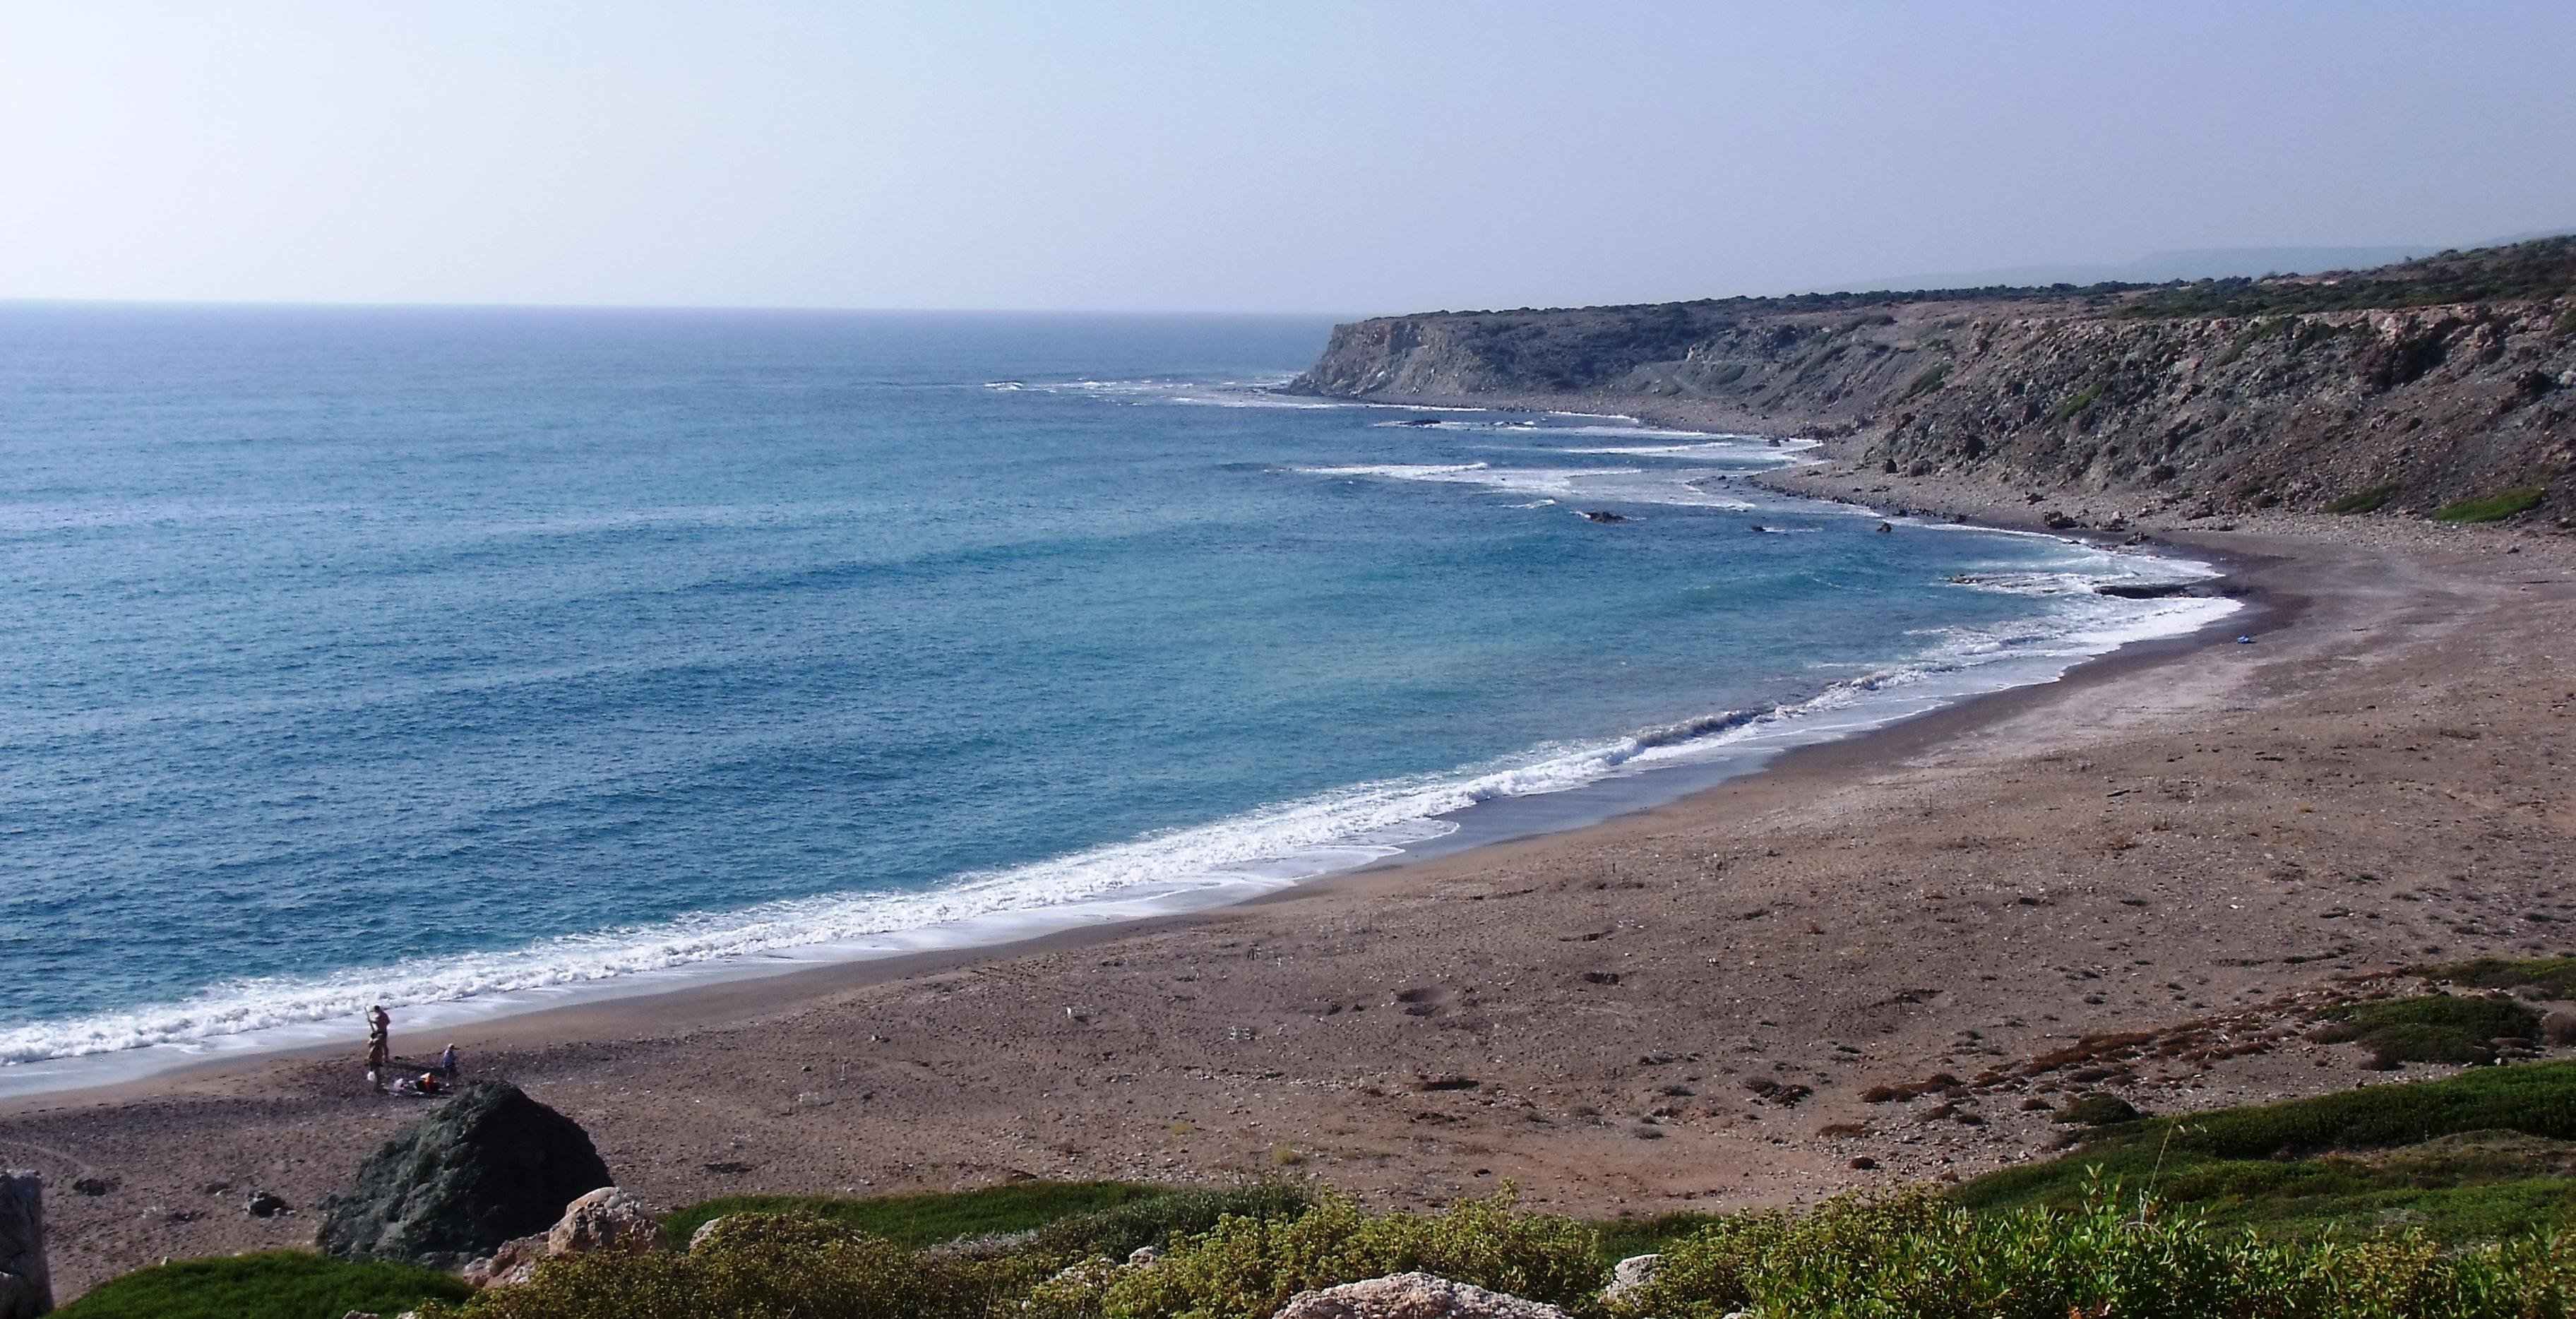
2178	846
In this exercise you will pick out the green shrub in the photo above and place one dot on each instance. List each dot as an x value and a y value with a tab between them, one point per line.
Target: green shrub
1910	1256
2553	976
1157	1220
1247	1268
2097	1111
273	1284
2430	1028
755	1266
2494	508
1930	379
930	1218
2367	501
2076	404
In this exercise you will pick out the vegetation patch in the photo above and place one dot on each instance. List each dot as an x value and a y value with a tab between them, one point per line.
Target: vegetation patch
273	1284
2097	1111
931	1218
2076	404
2429	1028
2552	976
2367	501
2496	507
2471	1157
1928	380
2113	1253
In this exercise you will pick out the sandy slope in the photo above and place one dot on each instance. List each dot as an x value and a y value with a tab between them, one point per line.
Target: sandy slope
2189	834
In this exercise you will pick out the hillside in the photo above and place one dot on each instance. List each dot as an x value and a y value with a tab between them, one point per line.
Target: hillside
2414	386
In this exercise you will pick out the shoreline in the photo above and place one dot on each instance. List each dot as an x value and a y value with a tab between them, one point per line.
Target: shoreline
723	1000
137	1070
2179	830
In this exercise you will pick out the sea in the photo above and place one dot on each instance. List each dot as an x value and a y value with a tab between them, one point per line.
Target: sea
474	660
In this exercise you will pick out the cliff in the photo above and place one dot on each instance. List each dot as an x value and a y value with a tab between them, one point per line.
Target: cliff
2413	386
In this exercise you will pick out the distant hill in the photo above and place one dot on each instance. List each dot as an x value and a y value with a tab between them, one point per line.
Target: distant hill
2412	384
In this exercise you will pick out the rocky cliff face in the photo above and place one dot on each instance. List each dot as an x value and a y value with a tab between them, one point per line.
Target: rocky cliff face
2414	386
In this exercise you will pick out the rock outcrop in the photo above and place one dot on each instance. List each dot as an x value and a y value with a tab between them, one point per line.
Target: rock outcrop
26	1289
2408	387
607	1220
489	1166
1412	1296
1632	1273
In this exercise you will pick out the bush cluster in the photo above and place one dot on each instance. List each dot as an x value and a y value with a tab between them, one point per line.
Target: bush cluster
1915	1256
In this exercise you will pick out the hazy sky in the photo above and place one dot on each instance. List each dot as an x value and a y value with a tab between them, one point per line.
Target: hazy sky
1233	156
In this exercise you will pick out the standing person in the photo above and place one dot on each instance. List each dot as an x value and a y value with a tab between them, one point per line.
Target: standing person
376	1060
380	1029
447	1062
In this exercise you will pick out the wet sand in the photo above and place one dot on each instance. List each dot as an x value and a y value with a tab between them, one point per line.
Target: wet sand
1616	1018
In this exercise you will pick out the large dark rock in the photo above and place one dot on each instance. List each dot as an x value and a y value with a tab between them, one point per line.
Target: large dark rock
488	1166
25	1291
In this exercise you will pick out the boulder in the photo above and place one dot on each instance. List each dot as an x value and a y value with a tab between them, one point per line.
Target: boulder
488	1166
607	1219
26	1290
1630	1274
1412	1296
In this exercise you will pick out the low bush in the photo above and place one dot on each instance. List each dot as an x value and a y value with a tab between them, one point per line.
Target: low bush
272	1284
1913	1256
1928	379
2074	405
2430	1028
1156	1220
2553	976
2494	508
932	1217
2366	501
1247	1268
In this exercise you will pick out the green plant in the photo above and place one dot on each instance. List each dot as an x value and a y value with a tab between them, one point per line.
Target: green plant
2553	976
929	1218
2112	1254
272	1284
2494	508
2429	1028
2367	501
1928	379
1156	1220
2080	401
756	1266
1247	1268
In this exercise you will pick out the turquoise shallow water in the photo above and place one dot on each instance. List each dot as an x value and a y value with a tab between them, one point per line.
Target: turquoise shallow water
430	655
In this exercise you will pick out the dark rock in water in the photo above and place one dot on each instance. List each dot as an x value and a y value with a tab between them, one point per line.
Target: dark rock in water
489	1166
2143	590
1884	528
26	1288
1605	517
1420	421
1756	527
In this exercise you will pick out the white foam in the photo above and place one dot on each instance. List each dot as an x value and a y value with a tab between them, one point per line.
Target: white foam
1630	485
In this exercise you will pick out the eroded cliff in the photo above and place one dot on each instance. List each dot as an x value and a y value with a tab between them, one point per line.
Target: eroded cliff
2413	386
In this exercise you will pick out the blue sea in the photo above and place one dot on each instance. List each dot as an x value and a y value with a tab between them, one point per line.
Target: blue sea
467	659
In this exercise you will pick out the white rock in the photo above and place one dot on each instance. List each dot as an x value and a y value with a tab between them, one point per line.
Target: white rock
1630	1274
1412	1296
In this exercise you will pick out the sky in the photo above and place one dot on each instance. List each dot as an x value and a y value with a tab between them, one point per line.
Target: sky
1291	157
